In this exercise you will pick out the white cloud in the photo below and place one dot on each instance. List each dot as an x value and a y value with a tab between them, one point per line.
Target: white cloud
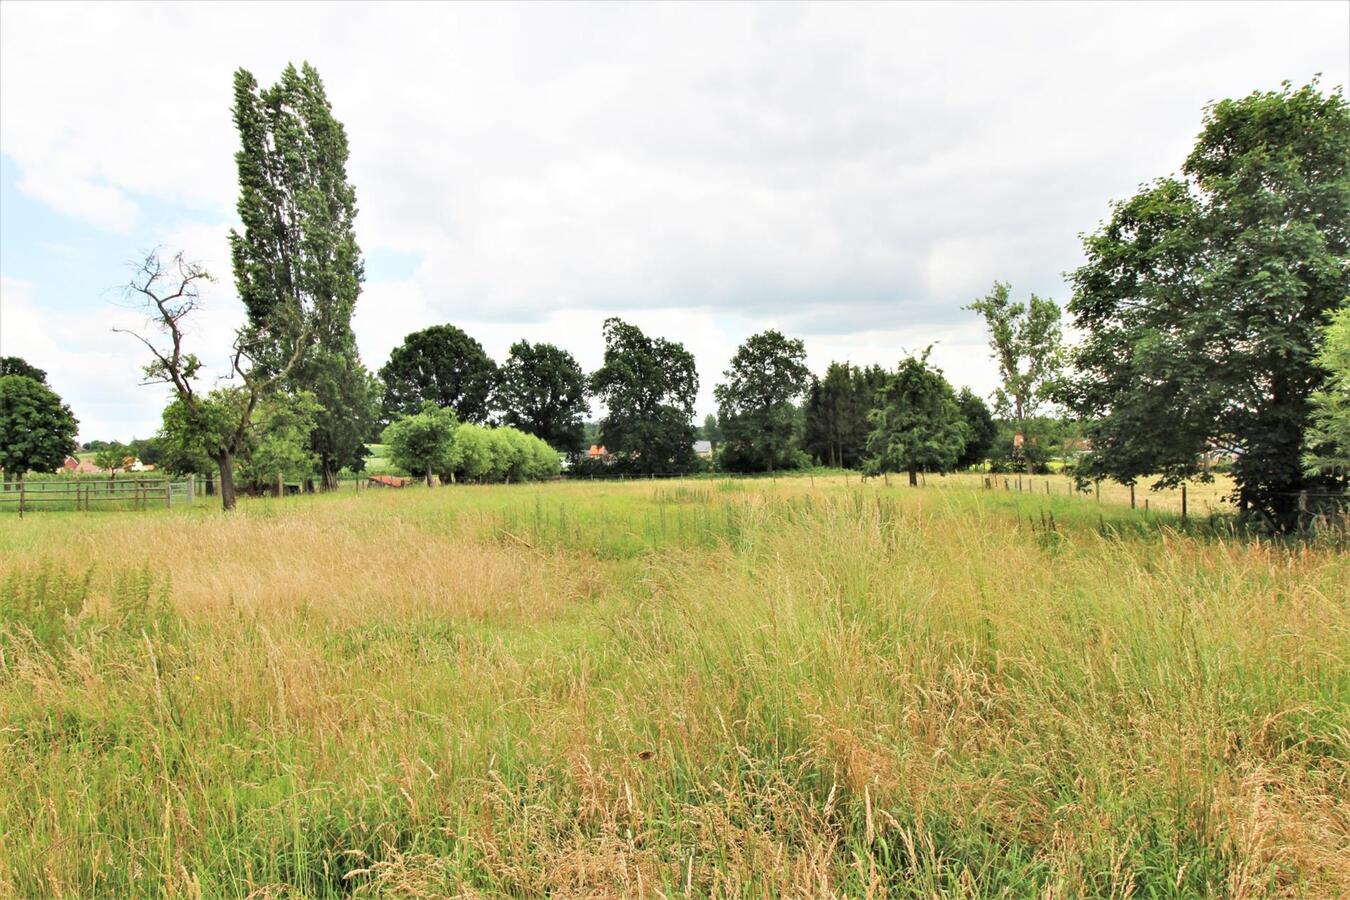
96	372
854	172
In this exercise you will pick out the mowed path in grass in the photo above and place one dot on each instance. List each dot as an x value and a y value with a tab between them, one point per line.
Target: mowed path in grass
803	687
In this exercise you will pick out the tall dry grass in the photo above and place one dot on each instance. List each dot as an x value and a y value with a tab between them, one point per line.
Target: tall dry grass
796	688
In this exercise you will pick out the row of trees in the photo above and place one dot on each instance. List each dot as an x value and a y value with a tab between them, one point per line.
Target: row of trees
1209	310
1203	307
434	442
539	389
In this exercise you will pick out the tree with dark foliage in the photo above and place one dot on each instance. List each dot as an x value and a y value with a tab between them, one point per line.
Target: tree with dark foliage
1203	303
542	391
440	365
648	386
917	424
37	430
836	414
757	413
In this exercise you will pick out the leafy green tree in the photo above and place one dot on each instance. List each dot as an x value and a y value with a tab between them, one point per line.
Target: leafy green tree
757	410
1328	438
1033	456
836	413
147	450
544	460
471	456
917	423
515	453
1202	302
1027	344
14	365
37	430
297	264
648	386
170	294
281	441
440	365
113	458
981	429
542	391
348	402
192	435
423	442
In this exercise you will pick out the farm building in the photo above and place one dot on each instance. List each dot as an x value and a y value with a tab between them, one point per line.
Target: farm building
74	466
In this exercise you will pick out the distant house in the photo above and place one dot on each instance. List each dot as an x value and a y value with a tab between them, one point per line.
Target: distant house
599	453
703	449
74	466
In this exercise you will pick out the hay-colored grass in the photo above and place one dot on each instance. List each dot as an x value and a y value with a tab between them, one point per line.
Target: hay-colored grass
807	687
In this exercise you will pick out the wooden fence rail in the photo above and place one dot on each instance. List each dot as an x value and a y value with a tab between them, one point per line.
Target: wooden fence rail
84	495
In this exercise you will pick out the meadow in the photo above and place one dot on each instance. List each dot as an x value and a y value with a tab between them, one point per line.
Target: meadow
806	686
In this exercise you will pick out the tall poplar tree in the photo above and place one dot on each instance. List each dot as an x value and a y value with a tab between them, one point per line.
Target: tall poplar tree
297	265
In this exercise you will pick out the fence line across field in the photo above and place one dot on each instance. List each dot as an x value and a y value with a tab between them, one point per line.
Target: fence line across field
146	493
83	494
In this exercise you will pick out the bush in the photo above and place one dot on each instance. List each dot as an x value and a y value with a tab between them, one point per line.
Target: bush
499	454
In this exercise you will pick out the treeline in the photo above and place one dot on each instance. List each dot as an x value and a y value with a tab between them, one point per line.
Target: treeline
434	442
1209	317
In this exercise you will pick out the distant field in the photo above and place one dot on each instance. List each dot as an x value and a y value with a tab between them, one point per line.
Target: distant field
378	462
796	687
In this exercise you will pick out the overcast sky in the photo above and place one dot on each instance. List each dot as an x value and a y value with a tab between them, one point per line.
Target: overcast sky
851	175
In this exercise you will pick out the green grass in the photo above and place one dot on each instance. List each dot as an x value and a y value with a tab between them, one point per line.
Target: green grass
799	687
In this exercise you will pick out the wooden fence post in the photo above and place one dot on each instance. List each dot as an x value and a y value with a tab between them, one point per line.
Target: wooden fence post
1131	496
21	490
1183	501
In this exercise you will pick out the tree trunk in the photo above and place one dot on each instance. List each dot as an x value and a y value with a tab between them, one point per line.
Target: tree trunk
330	481
225	462
210	485
913	477
429	484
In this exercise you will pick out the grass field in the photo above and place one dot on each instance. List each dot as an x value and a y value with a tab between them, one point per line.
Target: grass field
801	687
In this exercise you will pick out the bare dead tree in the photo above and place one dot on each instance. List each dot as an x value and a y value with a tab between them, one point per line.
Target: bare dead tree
169	292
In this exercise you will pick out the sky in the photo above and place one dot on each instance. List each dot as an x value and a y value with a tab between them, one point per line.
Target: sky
851	175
